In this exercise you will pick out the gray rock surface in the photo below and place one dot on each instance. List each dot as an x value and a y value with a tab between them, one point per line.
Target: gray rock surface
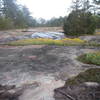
47	66
78	92
9	92
51	35
13	38
95	39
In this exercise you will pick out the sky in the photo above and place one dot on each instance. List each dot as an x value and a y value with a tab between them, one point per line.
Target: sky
47	8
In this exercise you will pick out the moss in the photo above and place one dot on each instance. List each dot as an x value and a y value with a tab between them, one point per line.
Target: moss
91	75
40	41
90	58
43	41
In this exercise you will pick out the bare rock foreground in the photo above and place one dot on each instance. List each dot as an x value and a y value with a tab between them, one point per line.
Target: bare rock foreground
36	71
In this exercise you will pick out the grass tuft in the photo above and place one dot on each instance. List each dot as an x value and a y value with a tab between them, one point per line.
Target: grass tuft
90	58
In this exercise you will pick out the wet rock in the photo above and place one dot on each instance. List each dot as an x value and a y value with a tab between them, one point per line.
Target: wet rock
91	84
95	39
51	35
85	91
13	38
9	92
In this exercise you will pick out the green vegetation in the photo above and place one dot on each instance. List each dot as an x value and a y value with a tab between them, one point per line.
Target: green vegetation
63	42
97	2
83	18
91	75
53	22
5	23
90	58
80	21
40	41
19	16
12	14
79	24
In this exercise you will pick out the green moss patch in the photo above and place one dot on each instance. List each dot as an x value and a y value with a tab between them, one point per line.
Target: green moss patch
40	41
90	58
91	75
43	41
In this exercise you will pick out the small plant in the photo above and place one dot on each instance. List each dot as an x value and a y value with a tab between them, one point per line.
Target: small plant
42	41
90	58
90	75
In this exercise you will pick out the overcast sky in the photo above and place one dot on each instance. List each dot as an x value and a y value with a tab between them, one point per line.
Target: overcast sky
47	8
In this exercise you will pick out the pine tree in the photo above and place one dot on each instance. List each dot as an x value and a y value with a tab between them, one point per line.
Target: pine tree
80	21
97	2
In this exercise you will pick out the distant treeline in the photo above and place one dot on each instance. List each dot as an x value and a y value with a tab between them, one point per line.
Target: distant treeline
53	22
13	15
84	17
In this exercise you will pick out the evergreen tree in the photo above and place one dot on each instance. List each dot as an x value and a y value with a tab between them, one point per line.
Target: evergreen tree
10	9
97	2
18	15
1	5
76	5
86	5
80	21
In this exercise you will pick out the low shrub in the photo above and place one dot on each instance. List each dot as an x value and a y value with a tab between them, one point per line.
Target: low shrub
90	75
90	58
5	23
